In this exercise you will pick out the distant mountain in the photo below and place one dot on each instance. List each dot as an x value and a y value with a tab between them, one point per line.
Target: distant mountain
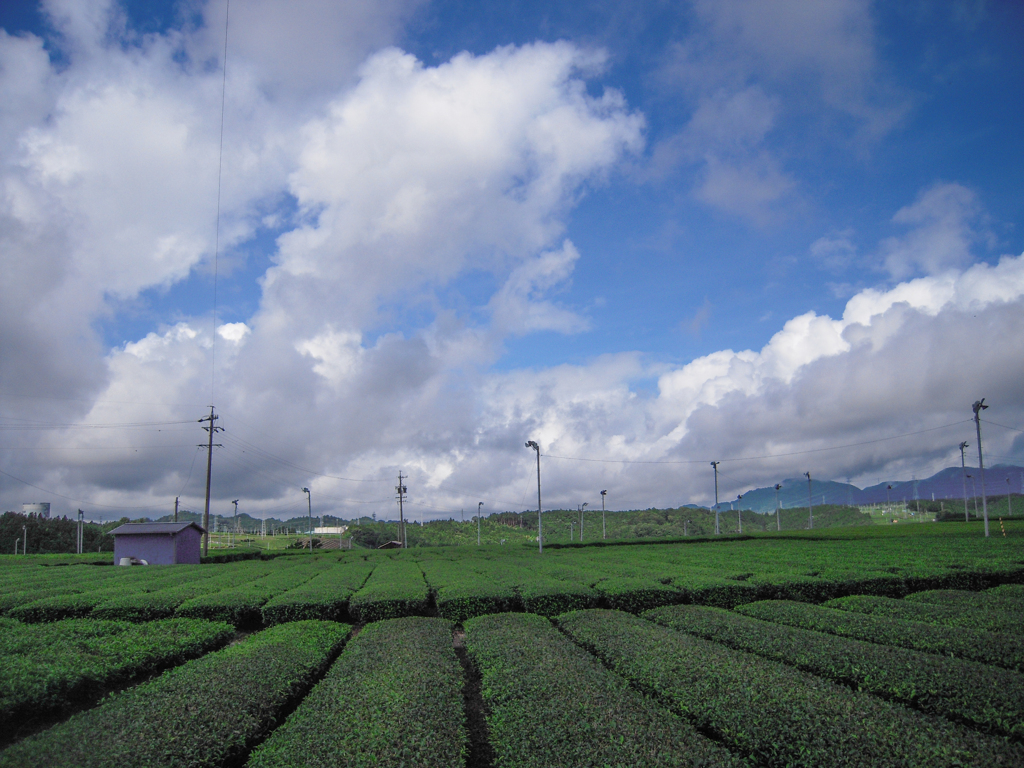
946	484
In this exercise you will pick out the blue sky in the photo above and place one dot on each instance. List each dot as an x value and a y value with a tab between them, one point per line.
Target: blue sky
661	232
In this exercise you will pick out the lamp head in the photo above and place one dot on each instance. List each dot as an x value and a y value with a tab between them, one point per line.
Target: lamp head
533	444
778	486
604	493
979	406
305	490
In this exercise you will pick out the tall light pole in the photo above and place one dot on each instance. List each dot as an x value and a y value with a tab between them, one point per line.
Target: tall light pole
963	472
739	511
582	507
604	526
540	534
974	493
235	502
888	504
715	465
978	407
479	504
810	504
309	504
778	520
81	530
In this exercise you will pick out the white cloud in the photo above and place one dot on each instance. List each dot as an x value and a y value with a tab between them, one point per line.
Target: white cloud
946	221
835	251
517	308
748	66
420	173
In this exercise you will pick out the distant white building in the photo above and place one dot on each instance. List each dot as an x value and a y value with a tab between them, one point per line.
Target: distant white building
337	530
40	508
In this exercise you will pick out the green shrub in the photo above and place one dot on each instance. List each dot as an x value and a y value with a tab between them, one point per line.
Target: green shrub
780	715
48	667
546	596
984	697
461	593
636	595
393	698
395	588
549	703
959	598
241	605
323	597
997	649
207	712
948	616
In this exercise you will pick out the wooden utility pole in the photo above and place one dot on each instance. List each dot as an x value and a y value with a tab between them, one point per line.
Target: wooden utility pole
401	512
213	428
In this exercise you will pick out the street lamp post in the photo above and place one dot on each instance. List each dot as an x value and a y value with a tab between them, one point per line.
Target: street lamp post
963	472
604	525
540	535
778	520
978	407
715	465
888	504
582	507
810	503
974	493
24	544
478	507
739	511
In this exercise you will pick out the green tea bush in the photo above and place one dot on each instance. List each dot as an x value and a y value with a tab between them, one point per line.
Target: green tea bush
93	592
549	703
959	598
779	715
461	593
945	615
207	712
323	597
636	595
393	698
241	605
984	697
993	648
546	596
395	588
48	667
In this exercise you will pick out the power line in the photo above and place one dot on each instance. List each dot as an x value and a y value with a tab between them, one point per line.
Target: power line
1012	429
42	426
306	470
79	501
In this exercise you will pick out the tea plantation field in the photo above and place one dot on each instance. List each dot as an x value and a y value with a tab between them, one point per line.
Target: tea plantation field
846	647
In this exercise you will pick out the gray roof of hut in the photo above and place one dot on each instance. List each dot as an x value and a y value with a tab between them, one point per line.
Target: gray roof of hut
150	529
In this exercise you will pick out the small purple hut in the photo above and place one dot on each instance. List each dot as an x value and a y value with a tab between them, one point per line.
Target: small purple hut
158	543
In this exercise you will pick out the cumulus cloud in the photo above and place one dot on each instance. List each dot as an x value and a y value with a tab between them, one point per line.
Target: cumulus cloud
406	179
